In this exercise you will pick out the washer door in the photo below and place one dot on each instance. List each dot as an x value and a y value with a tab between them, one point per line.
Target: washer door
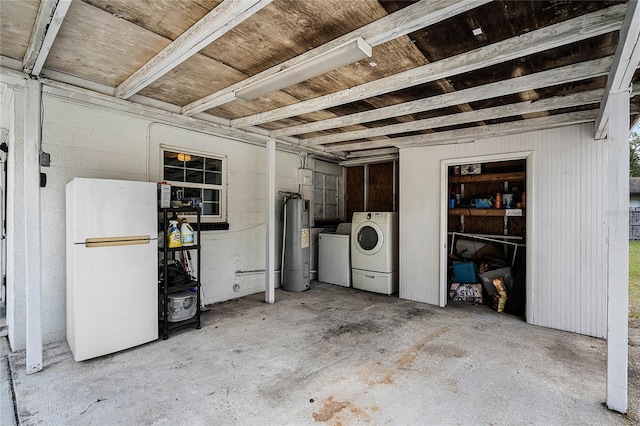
369	238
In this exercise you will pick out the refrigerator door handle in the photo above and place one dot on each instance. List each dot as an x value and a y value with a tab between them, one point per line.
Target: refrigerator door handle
117	241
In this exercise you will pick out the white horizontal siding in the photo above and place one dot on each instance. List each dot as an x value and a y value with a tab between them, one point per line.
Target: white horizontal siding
566	197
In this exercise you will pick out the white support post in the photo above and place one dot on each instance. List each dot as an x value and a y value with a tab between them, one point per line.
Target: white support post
32	135
269	295
618	253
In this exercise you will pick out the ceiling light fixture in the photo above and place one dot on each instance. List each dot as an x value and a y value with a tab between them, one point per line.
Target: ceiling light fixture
368	160
184	157
344	54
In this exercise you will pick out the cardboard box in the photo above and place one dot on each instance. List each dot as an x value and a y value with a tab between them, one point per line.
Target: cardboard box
466	292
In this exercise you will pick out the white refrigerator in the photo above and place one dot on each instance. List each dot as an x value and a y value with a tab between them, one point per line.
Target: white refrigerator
112	265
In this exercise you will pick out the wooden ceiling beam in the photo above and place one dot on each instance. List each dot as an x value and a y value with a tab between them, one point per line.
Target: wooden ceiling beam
567	74
624	65
510	110
547	38
402	22
212	26
51	13
474	133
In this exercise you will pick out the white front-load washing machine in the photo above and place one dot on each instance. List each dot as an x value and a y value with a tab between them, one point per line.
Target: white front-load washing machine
374	251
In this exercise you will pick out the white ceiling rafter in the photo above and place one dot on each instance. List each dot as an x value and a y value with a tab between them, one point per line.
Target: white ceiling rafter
402	22
213	25
569	73
563	33
509	110
473	133
50	16
624	66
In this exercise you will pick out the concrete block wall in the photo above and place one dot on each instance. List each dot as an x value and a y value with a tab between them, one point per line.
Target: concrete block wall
87	140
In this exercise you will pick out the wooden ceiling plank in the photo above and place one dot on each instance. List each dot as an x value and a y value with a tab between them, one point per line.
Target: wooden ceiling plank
566	74
510	110
156	108
563	33
473	133
405	21
51	13
624	65
212	26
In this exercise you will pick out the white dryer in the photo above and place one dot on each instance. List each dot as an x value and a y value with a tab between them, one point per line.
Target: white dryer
374	251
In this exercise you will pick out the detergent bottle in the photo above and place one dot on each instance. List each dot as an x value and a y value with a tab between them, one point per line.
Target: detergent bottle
188	237
174	236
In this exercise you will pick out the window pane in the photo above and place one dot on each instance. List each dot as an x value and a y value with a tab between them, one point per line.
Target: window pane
317	180
211	195
171	159
212	178
213	165
331	197
193	192
195	163
177	192
317	211
330	181
211	208
174	174
193	176
318	196
331	211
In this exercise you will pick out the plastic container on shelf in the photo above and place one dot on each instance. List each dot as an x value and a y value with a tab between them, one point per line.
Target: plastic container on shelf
188	236
182	306
174	235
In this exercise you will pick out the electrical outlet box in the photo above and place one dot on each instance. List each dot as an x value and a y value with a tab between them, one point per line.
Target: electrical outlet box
45	159
305	177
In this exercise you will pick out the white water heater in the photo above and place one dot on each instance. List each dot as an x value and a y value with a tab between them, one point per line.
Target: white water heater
296	274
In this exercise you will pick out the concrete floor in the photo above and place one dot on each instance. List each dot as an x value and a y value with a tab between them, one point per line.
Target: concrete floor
333	355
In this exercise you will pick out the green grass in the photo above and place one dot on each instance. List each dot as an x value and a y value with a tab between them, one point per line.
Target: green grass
634	279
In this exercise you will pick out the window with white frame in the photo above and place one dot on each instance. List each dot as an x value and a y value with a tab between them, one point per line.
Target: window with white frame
200	176
325	195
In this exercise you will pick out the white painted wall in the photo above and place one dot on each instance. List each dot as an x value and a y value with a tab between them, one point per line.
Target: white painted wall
241	248
16	272
567	266
92	141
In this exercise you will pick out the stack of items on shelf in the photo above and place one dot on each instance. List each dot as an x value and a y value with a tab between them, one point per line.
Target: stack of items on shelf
478	273
178	281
